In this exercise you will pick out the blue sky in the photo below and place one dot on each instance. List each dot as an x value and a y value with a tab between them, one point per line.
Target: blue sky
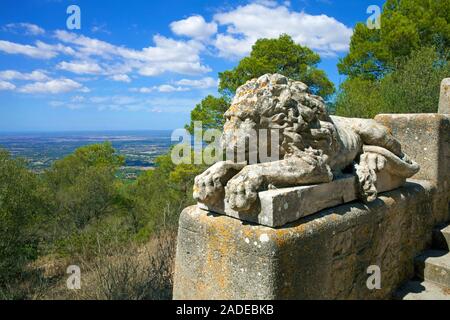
139	65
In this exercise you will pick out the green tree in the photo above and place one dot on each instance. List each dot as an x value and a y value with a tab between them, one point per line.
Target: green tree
67	170
158	196
412	88
83	185
358	97
280	55
20	210
210	112
406	26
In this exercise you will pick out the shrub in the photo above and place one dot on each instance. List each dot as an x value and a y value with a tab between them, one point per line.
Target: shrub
20	208
130	272
412	88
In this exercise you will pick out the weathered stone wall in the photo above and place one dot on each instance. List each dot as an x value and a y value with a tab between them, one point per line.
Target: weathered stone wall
426	139
326	255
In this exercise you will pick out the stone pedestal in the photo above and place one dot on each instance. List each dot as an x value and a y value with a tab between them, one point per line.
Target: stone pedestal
324	256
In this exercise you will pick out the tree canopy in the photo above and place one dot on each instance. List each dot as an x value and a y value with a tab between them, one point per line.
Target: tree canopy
406	26
82	184
210	112
280	55
20	208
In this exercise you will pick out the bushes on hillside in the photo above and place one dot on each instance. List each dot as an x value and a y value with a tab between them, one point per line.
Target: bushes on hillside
79	212
412	88
20	209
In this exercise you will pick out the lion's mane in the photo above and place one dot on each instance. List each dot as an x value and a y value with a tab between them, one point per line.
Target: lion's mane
276	102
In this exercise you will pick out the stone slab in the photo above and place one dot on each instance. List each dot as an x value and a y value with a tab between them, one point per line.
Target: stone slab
434	266
282	206
444	101
422	290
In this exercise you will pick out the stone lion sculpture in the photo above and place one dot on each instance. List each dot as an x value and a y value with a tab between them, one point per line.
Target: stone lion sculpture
313	146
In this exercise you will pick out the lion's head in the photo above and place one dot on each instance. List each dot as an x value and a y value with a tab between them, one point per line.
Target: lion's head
275	102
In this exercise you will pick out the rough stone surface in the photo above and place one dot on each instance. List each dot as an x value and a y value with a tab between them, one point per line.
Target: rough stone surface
282	206
426	139
324	256
444	101
434	266
422	290
313	147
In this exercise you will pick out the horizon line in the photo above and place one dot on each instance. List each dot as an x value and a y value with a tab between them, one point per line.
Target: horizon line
83	130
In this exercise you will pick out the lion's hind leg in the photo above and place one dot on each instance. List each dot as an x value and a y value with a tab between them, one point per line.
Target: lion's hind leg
375	134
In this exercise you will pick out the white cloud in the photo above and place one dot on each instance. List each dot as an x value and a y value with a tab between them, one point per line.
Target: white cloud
165	103
99	99
37	75
80	67
164	88
194	27
56	103
180	86
204	83
143	89
167	55
121	78
57	48
231	47
4	86
170	104
247	23
41	50
116	99
25	28
123	100
74	103
168	88
52	87
170	50
100	28
85	90
28	50
86	46
78	99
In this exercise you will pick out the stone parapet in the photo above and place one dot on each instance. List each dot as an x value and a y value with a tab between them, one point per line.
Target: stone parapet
324	256
426	139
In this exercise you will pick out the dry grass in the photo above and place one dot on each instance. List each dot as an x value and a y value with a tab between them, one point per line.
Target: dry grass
117	272
133	273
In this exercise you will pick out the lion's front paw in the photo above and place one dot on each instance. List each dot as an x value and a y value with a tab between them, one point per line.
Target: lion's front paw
241	192
208	188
